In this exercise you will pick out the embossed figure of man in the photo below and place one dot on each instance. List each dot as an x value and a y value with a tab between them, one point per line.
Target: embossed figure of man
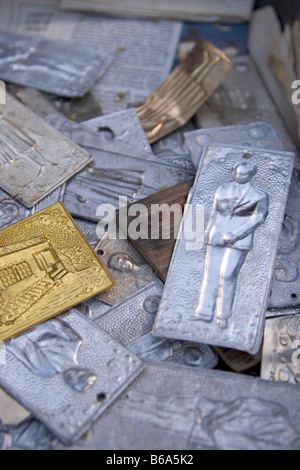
238	210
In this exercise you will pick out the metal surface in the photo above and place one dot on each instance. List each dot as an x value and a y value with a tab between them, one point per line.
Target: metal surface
285	288
218	294
256	134
67	372
242	99
92	140
57	67
35	159
46	266
129	269
131	323
123	126
281	350
172	407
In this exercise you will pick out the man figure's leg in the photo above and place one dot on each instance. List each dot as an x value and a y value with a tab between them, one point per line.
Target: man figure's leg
230	268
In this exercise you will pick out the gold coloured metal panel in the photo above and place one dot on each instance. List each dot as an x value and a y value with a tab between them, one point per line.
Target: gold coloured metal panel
46	267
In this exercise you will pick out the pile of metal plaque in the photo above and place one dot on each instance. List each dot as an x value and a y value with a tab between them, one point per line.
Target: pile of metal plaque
149	257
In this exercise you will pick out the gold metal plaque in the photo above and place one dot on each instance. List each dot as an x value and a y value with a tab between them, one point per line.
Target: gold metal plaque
46	267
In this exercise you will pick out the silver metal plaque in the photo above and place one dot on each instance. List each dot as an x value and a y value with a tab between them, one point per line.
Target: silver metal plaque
127	266
57	67
218	294
124	126
256	134
131	323
285	288
281	349
66	372
242	98
91	140
35	159
172	407
279	312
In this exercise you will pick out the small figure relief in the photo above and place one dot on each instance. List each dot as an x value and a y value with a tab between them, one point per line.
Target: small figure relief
26	275
238	210
52	348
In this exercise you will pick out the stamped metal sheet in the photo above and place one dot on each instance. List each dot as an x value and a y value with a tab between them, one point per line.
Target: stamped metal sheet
111	176
35	159
123	126
242	99
285	288
29	434
281	349
279	312
172	407
91	140
46	266
131	323
129	269
66	372
218	294
57	67
256	134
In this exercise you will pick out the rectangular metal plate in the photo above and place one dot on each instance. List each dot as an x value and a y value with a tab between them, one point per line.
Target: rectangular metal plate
35	158
129	269
124	126
218	294
177	408
285	288
242	99
131	323
57	67
46	267
281	349
67	372
256	134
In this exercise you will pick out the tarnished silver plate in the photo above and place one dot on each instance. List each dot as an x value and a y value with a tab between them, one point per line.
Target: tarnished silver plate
35	159
66	372
123	126
285	288
281	349
172	407
256	134
218	294
57	67
131	323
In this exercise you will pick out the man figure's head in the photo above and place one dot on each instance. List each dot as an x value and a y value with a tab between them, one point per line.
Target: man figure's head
243	172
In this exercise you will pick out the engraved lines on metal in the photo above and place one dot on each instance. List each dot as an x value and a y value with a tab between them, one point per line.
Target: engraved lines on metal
26	281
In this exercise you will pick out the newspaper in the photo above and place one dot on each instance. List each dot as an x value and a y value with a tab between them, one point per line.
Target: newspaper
189	10
144	50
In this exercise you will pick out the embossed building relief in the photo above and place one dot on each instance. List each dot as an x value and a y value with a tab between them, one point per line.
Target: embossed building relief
56	67
34	158
281	349
224	285
66	372
46	266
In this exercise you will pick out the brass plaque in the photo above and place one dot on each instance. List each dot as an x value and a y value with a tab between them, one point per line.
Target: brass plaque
46	267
